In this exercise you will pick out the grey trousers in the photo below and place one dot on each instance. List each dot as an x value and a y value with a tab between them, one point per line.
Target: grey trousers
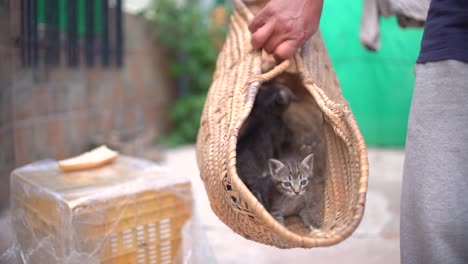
434	200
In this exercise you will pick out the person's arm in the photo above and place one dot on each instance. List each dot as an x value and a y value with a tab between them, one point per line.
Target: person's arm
282	26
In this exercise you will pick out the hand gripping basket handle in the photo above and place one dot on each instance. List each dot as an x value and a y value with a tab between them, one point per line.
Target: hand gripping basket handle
278	69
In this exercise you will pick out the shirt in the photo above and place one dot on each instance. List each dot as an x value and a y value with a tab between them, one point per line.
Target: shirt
445	32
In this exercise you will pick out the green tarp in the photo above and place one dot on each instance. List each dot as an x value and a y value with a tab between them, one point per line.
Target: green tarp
379	85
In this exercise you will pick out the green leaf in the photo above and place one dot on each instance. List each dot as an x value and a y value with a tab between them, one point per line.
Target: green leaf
184	29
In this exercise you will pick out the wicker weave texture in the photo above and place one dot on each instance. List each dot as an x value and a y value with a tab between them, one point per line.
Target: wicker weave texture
230	99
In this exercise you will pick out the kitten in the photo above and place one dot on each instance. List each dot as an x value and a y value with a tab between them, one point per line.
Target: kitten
290	192
262	137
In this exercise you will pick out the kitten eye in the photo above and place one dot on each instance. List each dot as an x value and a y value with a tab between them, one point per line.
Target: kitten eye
287	184
303	182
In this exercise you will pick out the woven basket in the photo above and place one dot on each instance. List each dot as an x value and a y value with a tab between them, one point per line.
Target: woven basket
230	99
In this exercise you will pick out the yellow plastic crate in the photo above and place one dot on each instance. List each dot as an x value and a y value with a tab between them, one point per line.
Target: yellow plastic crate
130	211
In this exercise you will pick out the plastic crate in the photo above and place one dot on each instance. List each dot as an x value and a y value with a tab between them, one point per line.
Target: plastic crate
128	212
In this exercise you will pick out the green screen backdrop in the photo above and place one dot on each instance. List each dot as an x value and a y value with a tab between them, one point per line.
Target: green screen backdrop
379	85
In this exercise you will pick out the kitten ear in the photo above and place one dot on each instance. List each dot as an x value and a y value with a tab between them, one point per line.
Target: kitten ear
308	161
275	166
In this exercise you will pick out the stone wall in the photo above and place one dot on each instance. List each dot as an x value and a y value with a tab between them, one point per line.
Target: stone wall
56	113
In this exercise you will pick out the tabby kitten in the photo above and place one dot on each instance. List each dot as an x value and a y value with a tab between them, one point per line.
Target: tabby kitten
262	137
289	195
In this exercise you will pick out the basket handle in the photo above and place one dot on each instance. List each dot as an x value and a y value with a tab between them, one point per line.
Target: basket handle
264	77
245	12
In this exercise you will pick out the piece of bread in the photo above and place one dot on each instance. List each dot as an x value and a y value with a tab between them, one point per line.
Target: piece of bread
95	158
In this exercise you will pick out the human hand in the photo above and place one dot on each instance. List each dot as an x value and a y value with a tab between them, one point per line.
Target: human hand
282	26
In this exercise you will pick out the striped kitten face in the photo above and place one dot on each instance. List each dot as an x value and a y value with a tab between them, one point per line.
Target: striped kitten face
291	178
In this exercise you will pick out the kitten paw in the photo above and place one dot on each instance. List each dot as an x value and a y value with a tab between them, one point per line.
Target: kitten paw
313	231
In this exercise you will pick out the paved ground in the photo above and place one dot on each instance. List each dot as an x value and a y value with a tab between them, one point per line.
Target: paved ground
375	241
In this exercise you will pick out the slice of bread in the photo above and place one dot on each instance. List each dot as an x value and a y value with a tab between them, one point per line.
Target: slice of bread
95	158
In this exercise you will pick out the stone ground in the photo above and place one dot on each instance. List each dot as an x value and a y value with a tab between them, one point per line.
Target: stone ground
375	241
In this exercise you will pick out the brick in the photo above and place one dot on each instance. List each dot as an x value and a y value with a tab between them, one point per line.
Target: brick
56	137
139	89
83	127
7	150
162	121
76	98
14	12
135	89
108	103
93	120
160	89
100	92
165	94
117	89
60	92
136	35
70	135
43	97
154	76
24	103
117	118
24	144
150	114
6	81
129	118
139	116
5	188
6	107
41	148
76	135
151	86
157	117
58	75
72	140
100	124
128	94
